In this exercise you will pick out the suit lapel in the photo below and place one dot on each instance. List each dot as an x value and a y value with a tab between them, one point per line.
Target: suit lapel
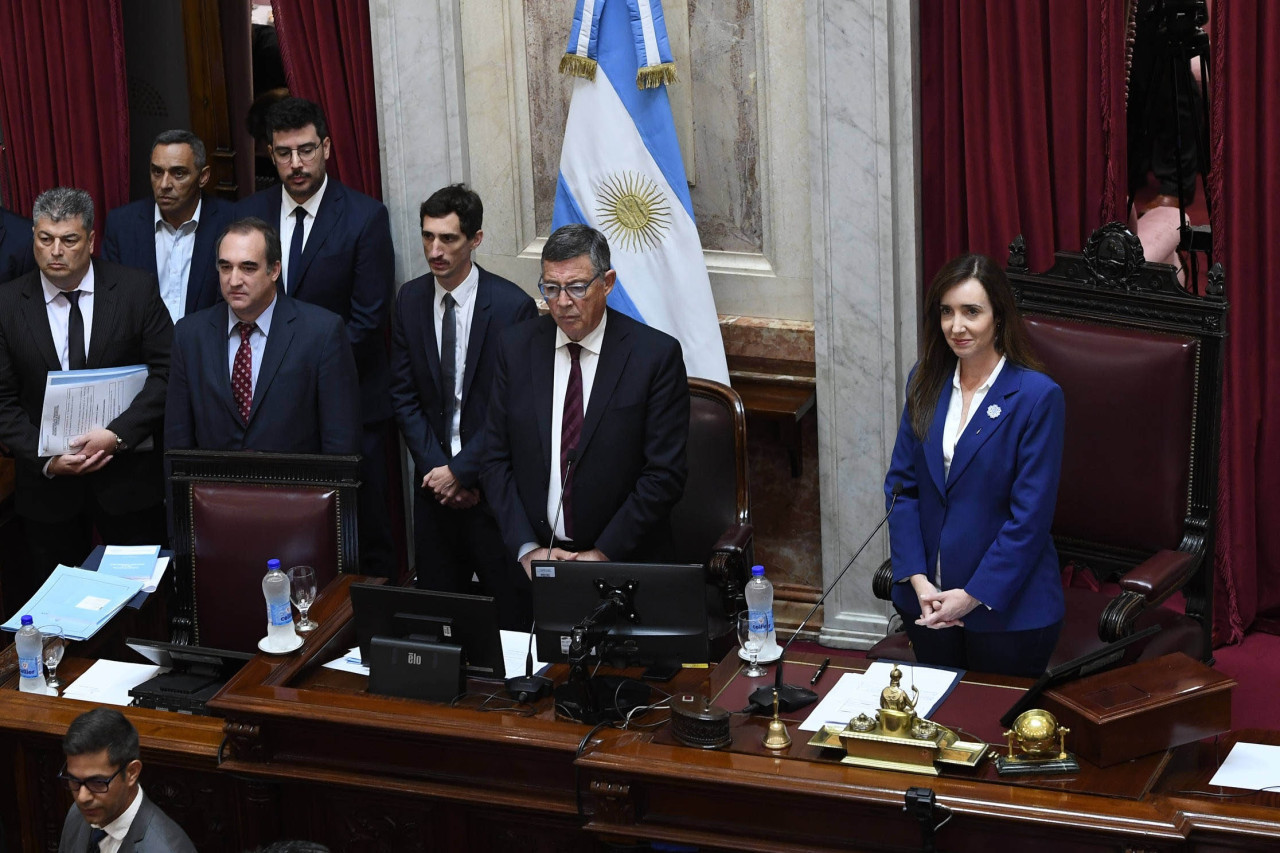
197	275
995	411
933	441
427	317
332	208
479	324
278	342
542	353
37	316
615	349
106	307
217	359
147	228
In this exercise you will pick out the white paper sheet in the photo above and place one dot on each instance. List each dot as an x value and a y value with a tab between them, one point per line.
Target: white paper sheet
856	693
1252	766
350	662
76	401
108	681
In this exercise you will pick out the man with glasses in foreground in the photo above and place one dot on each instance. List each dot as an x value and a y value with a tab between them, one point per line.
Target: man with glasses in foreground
111	813
588	420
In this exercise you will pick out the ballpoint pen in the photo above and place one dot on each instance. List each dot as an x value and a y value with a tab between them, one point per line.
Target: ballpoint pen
821	669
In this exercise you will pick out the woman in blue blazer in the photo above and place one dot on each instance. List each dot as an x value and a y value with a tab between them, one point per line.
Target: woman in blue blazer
978	454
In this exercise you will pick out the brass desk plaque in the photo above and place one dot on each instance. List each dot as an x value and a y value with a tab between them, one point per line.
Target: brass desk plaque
896	739
1037	744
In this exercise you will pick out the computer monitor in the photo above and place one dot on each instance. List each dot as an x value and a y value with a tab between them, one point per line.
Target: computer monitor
667	622
467	621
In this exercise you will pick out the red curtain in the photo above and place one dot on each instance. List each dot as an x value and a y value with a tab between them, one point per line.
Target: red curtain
1244	189
1022	125
63	100
328	58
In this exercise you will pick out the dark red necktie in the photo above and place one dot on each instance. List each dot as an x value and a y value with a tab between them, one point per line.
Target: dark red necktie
242	371
570	430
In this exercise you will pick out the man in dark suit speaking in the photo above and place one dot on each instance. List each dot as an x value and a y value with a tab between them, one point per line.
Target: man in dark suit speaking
444	342
171	235
591	399
264	371
76	313
338	255
15	246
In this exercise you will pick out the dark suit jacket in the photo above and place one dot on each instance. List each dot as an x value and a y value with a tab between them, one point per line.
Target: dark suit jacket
631	464
306	398
130	326
348	266
152	831
16	257
416	390
991	516
130	239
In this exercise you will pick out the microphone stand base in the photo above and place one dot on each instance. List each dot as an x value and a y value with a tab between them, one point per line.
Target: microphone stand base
790	697
528	688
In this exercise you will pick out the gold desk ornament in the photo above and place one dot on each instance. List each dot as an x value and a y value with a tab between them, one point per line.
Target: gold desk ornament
897	739
777	736
1037	744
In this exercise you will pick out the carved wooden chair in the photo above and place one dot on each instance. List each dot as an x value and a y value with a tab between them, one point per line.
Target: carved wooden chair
1139	361
711	523
233	511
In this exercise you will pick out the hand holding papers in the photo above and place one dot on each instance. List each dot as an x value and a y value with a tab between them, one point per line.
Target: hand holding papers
77	601
78	401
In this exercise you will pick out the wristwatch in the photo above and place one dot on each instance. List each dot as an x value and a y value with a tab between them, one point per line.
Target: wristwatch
121	444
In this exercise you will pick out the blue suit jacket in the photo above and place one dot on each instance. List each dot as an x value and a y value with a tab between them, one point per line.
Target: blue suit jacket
415	370
130	239
306	398
16	257
348	267
992	516
631	466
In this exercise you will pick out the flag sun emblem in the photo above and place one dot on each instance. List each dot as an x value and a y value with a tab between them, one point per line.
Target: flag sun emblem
633	211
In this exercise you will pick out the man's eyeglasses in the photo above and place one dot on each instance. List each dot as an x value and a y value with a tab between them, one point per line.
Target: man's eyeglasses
306	153
96	784
577	290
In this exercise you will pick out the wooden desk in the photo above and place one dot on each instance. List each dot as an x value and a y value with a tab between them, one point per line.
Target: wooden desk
309	754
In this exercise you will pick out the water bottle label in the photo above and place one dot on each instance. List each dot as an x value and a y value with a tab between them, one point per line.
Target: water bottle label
279	613
30	667
761	621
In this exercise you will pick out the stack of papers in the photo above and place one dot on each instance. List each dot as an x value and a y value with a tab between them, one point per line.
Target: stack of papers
109	681
77	401
134	562
859	693
77	601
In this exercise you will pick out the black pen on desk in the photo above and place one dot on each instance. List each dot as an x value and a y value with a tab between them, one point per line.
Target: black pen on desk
821	669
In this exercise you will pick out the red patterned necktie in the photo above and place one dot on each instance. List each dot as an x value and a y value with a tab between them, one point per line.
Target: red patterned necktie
242	371
570	430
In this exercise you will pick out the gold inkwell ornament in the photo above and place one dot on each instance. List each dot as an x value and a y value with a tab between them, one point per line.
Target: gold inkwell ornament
1037	744
896	738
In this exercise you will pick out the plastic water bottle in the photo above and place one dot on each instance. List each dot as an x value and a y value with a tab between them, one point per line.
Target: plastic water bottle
759	595
30	658
275	588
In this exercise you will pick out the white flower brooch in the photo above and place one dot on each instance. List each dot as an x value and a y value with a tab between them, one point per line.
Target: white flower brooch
993	411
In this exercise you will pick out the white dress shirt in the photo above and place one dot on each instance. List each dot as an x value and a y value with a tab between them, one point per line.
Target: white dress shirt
59	313
257	342
588	359
118	829
173	260
288	222
464	294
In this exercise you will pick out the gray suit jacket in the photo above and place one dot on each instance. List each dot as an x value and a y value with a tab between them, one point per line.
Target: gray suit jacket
152	831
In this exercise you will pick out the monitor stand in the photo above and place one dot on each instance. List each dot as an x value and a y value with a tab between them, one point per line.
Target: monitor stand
602	699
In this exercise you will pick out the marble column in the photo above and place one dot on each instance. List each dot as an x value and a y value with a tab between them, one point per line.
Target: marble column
864	166
417	74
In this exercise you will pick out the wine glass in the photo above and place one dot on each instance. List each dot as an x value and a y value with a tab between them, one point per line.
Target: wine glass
55	645
751	641
302	591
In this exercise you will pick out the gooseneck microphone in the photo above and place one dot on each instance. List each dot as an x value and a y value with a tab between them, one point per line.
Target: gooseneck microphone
530	687
791	697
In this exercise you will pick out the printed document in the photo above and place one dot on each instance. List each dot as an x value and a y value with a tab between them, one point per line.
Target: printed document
77	401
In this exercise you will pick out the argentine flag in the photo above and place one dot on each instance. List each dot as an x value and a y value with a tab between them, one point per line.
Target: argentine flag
621	173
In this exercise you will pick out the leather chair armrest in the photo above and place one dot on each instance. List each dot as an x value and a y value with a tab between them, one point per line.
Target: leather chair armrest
882	581
736	539
1160	575
730	562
